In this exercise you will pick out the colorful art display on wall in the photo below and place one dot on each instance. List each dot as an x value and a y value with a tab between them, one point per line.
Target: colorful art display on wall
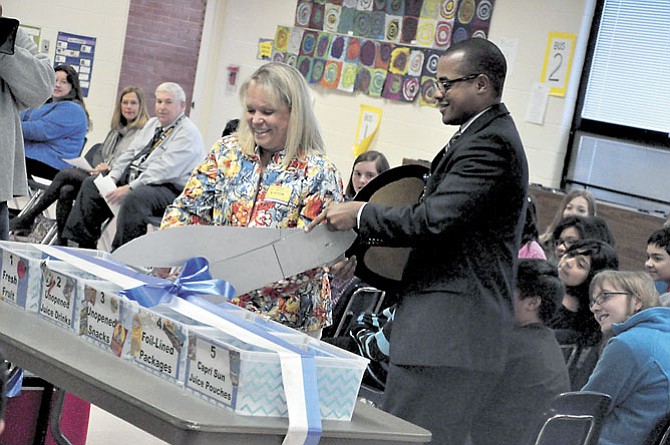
382	48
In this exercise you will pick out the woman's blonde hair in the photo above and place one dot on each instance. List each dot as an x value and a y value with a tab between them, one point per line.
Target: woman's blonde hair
639	284
284	84
118	121
546	237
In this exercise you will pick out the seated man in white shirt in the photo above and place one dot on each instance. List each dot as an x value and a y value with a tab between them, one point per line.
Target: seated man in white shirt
149	175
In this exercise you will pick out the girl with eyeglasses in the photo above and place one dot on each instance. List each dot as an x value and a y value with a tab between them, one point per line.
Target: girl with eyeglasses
634	368
575	228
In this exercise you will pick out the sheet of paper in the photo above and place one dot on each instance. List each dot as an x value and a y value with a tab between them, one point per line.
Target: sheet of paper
106	185
80	162
537	104
509	47
42	181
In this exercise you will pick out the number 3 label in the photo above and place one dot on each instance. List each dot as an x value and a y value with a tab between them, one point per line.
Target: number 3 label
558	61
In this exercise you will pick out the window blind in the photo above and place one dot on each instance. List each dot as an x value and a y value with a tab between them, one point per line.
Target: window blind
630	72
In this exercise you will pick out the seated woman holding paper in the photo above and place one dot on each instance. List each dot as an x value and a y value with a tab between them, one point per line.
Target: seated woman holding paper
273	173
56	130
130	115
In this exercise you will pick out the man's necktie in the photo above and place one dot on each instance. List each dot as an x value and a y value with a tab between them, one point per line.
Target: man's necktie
453	139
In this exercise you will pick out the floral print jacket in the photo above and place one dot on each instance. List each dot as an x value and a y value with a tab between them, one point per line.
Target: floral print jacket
229	189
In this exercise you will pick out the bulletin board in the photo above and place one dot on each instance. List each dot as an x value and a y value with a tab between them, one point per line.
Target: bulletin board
79	52
381	48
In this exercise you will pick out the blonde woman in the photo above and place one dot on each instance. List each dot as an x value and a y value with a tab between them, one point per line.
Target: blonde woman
634	368
273	173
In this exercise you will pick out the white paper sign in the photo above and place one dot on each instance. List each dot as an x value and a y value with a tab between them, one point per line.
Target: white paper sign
57	297
102	315
537	104
156	343
209	371
10	276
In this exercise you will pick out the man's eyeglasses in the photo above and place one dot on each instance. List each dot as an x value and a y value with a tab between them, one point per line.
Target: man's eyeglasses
443	84
603	297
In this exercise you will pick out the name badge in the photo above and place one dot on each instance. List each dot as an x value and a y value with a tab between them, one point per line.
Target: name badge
278	194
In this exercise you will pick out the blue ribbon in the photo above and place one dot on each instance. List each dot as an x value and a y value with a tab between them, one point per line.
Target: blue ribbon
14	383
312	405
194	279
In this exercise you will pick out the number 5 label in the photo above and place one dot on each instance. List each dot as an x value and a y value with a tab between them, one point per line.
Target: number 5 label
558	61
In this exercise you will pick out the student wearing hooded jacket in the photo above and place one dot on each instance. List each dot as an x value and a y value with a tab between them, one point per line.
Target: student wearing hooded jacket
634	368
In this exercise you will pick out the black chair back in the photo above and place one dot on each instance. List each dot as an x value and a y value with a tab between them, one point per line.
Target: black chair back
93	155
572	418
362	299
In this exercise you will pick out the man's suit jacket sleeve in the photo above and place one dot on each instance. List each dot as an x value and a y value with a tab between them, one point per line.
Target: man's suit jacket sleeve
467	184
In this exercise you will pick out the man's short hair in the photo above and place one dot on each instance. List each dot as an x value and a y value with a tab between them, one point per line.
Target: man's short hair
174	88
536	277
482	56
661	238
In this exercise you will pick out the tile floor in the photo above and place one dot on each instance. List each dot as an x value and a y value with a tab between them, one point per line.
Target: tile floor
106	429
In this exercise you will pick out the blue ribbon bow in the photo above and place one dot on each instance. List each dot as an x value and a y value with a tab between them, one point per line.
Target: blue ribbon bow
194	279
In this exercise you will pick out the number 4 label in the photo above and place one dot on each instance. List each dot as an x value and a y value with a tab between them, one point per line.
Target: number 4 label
558	61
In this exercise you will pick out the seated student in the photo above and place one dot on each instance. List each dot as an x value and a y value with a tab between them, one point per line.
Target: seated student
535	370
577	202
658	261
367	166
530	247
634	368
149	175
274	172
56	130
576	228
129	116
576	268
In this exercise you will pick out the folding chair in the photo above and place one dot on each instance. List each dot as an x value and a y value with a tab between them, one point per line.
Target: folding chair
572	418
569	353
36	188
361	299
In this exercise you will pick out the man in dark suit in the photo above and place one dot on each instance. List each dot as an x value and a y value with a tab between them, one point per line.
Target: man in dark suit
450	334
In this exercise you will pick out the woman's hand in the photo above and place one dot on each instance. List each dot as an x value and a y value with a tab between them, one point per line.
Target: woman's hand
102	167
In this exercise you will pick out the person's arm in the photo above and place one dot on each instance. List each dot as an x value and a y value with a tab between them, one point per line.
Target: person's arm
173	159
194	205
27	73
325	189
65	118
478	179
616	373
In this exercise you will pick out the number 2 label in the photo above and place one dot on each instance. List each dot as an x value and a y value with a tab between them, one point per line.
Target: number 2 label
558	61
